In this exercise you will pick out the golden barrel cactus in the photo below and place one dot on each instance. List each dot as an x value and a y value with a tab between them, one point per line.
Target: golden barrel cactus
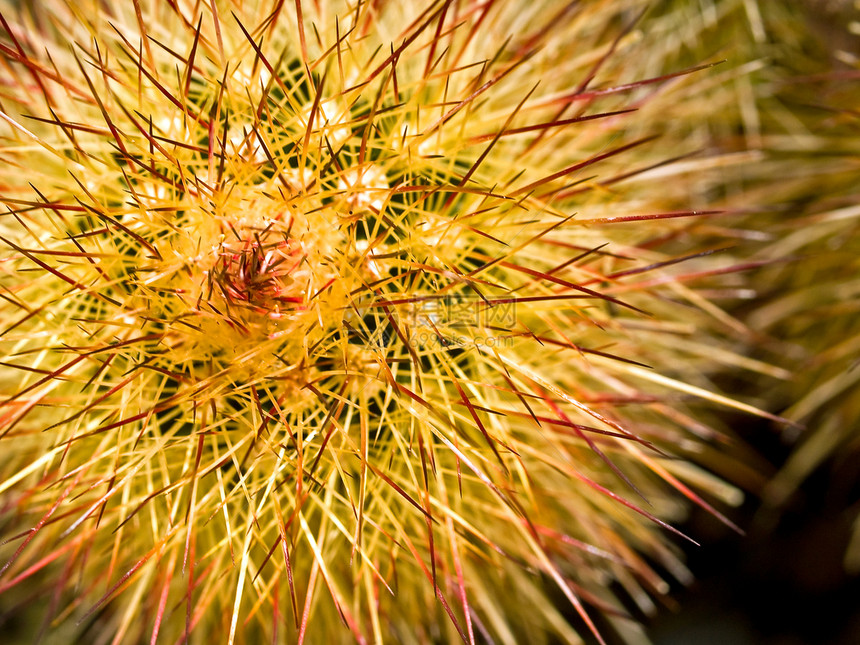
351	322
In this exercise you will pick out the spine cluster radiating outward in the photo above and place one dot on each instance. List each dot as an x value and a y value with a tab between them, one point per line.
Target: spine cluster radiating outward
360	321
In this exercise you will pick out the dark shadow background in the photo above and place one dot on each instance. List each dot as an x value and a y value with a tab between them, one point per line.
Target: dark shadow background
783	583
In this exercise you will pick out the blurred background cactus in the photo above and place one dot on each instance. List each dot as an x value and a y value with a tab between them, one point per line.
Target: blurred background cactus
799	111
